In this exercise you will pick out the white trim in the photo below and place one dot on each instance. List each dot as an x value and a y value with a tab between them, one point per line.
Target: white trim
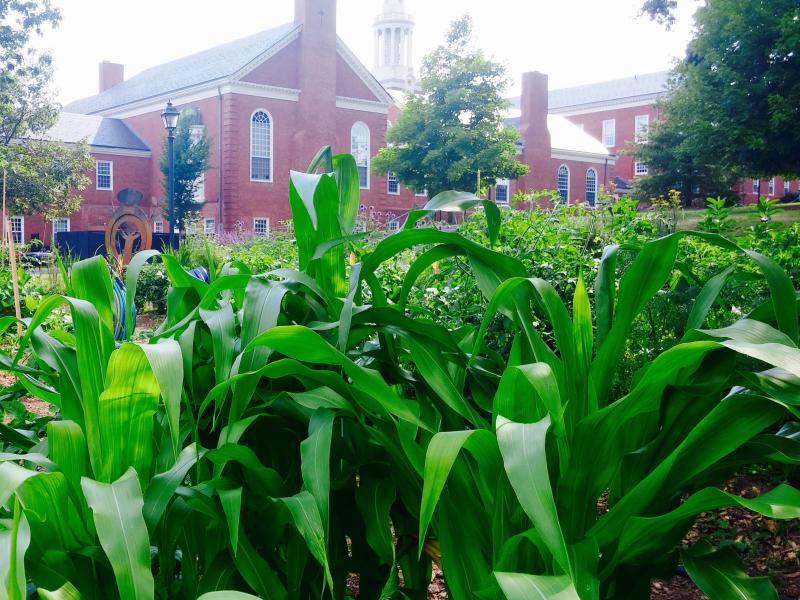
267	232
389	191
119	151
591	170
637	172
612	123
68	229
507	184
606	105
369	151
21	227
271	146
587	157
156	226
637	137
97	187
269	53
369	80
362	105
569	180
258	90
207	90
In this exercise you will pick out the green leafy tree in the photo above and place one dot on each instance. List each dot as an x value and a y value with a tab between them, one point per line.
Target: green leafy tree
192	147
735	108
453	129
43	176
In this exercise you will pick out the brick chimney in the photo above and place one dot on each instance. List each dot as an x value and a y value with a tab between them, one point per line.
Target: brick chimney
534	132
317	76
111	74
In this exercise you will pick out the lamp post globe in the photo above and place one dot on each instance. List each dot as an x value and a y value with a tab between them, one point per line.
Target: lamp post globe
170	118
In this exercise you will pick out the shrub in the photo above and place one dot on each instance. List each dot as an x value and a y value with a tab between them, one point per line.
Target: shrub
280	433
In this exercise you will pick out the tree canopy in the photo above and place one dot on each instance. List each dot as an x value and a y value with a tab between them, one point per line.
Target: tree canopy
734	110
44	176
192	147
453	128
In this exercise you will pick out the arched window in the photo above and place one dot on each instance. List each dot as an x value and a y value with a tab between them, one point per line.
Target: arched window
563	183
591	188
261	146
359	148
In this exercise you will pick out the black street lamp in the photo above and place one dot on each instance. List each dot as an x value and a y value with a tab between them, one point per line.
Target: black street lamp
170	118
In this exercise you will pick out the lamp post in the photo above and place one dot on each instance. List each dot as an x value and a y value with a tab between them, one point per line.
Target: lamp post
170	118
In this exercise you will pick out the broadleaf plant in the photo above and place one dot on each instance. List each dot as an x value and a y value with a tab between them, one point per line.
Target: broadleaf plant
284	432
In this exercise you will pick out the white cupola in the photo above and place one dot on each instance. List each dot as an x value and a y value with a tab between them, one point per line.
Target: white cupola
394	47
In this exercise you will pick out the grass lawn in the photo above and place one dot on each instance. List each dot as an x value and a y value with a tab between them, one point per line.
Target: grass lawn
744	217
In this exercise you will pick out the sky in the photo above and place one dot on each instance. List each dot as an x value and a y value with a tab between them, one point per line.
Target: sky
573	41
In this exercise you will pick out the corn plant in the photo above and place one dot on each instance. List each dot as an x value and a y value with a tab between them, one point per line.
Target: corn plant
282	432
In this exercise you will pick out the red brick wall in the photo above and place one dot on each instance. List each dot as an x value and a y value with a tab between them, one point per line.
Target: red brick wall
625	132
98	205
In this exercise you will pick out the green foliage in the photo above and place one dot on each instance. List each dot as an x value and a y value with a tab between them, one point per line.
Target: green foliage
283	432
735	105
718	216
21	19
452	131
767	208
191	162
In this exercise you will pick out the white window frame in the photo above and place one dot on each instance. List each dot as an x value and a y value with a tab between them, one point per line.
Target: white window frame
564	197
393	225
265	220
787	186
67	230
610	133
640	168
389	179
271	150
502	183
592	204
110	164
209	225
360	124
422	194
359	227
771	187
18	239
158	226
757	186
641	125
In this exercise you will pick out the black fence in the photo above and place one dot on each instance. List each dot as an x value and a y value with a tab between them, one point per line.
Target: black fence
85	244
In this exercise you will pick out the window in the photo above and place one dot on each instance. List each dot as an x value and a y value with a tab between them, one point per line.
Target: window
209	226
756	186
105	175
260	146
261	226
422	194
591	188
158	227
359	148
18	229
60	226
640	168
394	185
393	225
787	187
196	133
771	187
696	189
642	131
563	183
359	227
501	191
610	133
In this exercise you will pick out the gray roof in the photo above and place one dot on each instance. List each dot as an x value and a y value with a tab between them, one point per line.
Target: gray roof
629	88
209	65
623	90
99	132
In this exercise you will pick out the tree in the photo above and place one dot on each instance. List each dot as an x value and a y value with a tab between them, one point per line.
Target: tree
453	129
44	176
192	147
736	101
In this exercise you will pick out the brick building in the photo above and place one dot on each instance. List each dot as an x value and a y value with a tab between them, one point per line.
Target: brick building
619	113
268	102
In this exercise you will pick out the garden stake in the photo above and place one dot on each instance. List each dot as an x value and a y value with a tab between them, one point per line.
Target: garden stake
12	257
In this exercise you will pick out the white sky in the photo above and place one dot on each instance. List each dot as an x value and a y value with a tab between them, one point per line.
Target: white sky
574	41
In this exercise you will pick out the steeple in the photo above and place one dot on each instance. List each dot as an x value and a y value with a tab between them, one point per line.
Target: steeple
394	47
